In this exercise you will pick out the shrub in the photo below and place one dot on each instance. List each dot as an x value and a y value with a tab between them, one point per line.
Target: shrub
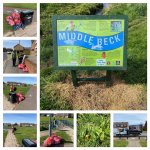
93	130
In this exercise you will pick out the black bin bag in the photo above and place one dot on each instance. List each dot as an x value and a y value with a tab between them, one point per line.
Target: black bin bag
12	97
28	143
26	16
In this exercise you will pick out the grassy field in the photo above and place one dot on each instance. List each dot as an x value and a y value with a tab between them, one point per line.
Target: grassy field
21	5
143	143
66	138
4	135
21	89
129	90
26	132
120	143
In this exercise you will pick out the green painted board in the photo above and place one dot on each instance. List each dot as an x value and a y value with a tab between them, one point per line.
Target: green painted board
90	42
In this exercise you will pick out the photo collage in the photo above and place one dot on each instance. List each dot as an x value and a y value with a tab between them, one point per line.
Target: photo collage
74	74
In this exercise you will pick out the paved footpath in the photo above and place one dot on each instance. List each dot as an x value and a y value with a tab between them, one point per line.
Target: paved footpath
30	101
8	68
133	142
10	140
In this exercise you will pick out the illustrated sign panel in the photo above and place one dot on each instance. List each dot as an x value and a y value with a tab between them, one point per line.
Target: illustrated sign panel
90	42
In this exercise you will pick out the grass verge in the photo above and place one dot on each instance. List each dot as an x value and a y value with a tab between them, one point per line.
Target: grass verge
6	27
120	143
5	132
21	5
143	143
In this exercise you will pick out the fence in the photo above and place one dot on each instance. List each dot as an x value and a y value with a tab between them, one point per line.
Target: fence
128	136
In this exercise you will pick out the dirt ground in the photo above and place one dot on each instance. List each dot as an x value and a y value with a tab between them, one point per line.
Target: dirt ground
10	140
96	96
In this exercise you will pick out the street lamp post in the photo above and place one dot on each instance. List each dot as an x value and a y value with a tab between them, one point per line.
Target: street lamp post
50	130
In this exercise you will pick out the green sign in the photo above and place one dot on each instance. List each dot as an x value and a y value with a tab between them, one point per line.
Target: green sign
90	42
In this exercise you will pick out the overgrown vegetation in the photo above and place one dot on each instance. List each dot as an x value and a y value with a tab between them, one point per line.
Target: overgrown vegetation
129	89
120	143
93	130
137	41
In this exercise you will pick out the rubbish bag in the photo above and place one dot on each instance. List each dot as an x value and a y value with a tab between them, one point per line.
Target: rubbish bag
48	142
12	97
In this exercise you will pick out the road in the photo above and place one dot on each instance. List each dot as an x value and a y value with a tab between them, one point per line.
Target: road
10	140
30	102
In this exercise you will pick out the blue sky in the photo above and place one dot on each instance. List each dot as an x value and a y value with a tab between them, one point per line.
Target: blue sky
19	118
12	43
133	118
28	80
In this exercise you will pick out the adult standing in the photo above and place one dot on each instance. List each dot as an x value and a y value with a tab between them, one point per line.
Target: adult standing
14	57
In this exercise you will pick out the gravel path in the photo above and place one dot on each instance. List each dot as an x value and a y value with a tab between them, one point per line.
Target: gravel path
11	140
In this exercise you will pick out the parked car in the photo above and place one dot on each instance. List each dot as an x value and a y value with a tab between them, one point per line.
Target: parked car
132	130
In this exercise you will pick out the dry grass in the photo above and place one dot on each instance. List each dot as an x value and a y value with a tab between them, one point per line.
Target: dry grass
93	96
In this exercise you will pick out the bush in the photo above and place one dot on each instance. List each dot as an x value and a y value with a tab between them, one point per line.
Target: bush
137	41
46	72
93	130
